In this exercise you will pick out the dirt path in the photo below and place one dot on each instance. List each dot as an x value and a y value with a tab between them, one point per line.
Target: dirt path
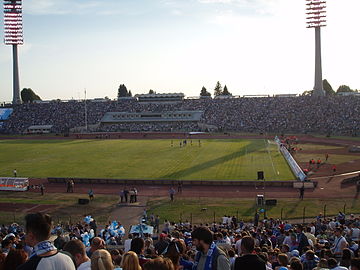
129	214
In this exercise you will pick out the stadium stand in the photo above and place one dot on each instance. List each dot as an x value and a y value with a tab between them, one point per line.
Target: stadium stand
323	243
333	115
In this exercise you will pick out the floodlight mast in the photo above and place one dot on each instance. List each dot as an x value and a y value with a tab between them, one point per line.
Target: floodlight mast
316	18
13	28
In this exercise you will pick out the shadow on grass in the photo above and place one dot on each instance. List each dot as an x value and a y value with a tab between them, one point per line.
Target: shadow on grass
252	147
292	209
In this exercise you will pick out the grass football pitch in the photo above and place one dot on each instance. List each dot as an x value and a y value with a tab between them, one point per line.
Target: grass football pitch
144	159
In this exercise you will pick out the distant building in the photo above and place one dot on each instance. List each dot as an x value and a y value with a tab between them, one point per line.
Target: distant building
160	98
348	94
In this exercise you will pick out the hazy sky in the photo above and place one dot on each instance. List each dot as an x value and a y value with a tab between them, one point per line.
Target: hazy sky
252	46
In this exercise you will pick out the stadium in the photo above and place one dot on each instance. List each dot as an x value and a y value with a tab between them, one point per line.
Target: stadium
179	182
155	141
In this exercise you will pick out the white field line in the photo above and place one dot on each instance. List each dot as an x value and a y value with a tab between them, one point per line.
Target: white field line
272	162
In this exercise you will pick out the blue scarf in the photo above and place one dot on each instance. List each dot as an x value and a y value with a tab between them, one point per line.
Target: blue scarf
209	257
42	248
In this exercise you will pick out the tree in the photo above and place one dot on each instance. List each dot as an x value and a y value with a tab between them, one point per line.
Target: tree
307	93
129	93
218	89
204	93
152	91
226	92
327	88
344	88
122	91
28	95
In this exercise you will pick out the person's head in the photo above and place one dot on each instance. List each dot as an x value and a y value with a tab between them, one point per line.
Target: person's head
15	258
296	264
6	243
173	252
332	263
130	261
37	228
338	231
101	260
283	259
77	249
231	253
346	255
247	244
116	256
263	255
202	238
323	263
355	264
137	245
310	255
285	248
159	263
97	243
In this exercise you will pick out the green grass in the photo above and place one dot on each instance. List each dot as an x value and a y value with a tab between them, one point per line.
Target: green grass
191	208
143	159
310	146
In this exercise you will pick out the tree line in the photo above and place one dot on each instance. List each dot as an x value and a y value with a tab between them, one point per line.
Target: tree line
29	96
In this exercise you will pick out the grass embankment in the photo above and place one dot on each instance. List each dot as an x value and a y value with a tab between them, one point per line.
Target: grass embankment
203	210
66	207
143	159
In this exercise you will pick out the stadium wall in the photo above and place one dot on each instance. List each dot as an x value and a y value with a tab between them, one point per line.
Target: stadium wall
288	184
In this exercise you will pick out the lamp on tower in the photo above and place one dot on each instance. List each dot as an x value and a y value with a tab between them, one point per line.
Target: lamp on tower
13	28
316	18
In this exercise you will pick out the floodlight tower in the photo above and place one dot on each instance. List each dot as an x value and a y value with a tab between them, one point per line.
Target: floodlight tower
316	18
14	36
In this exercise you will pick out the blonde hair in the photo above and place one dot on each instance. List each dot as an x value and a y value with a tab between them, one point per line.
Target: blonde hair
130	261
101	260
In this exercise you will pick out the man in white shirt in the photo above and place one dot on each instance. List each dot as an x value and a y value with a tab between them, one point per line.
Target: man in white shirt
45	255
339	244
77	249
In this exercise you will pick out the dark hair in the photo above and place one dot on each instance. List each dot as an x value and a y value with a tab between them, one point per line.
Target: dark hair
173	252
159	263
15	258
355	262
248	243
310	254
231	253
137	245
39	224
332	263
296	265
75	246
5	242
346	254
203	233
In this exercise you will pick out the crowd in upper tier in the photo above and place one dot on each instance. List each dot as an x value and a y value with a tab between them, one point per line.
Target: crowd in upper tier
231	244
336	115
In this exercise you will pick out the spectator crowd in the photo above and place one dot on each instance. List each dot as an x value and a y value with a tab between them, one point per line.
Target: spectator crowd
266	244
335	115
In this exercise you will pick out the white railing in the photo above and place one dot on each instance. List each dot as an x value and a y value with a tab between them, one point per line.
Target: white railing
298	172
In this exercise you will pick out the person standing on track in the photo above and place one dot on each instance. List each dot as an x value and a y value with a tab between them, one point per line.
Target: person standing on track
171	193
302	191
